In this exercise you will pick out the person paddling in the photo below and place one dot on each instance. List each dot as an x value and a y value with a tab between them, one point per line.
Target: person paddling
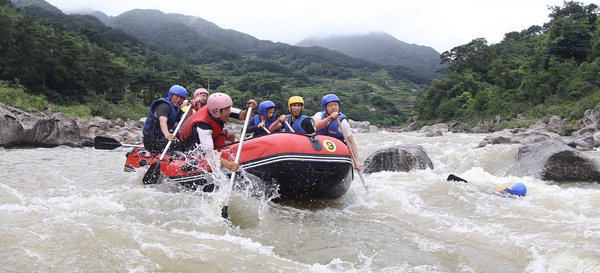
517	189
204	129
332	122
301	124
162	119
262	121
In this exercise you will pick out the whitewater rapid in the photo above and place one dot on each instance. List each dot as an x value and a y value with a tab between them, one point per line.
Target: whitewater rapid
76	210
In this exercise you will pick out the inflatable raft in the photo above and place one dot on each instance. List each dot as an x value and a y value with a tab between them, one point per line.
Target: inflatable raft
300	166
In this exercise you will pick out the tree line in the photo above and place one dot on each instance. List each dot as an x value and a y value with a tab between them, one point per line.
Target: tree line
539	71
77	60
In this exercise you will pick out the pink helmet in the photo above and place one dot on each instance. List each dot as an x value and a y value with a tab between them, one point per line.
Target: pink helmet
200	91
218	101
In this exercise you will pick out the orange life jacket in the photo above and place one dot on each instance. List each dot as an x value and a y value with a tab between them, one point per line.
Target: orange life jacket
202	116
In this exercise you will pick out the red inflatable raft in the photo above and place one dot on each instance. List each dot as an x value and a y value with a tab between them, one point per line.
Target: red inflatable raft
301	166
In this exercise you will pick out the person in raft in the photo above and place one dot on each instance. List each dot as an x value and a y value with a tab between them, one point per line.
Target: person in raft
200	99
162	119
301	124
517	189
204	129
326	123
259	125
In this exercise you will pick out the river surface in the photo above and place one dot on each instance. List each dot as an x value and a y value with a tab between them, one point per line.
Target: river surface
76	210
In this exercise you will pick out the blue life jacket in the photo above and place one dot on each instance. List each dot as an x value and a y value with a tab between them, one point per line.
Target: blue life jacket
260	132
332	129
152	124
297	124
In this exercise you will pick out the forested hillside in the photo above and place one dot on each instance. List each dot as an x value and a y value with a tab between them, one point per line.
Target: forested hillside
383	49
73	60
541	71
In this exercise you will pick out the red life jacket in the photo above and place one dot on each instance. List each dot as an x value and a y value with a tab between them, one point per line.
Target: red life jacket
202	116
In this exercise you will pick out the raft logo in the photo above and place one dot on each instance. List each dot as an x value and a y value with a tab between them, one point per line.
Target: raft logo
329	146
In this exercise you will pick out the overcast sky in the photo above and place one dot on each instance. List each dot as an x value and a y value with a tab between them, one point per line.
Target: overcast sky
441	24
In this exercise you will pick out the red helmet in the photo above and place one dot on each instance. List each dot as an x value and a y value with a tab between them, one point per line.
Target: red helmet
200	91
218	101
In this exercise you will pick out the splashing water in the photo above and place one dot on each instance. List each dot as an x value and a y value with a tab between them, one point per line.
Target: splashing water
65	209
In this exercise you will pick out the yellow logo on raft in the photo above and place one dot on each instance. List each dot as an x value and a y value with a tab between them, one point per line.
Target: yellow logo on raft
329	145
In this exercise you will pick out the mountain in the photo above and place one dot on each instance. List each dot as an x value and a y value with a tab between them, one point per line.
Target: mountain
200	42
105	19
88	25
35	3
166	48
383	49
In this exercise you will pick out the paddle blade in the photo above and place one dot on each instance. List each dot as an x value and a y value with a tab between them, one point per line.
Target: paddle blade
224	212
106	143
452	177
151	176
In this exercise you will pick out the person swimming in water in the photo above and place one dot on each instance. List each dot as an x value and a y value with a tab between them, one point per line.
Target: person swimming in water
518	189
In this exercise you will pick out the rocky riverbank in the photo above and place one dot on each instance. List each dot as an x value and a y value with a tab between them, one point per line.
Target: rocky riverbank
45	129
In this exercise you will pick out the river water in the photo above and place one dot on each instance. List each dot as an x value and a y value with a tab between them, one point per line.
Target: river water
76	210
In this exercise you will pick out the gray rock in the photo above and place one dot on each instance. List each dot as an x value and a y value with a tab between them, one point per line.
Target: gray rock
442	127
67	132
132	124
119	122
556	122
479	129
584	144
552	160
141	122
591	118
362	126
99	122
401	158
434	134
540	126
22	128
588	130
512	136
12	130
596	139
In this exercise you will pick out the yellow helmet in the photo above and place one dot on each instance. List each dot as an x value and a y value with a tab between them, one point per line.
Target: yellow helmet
295	99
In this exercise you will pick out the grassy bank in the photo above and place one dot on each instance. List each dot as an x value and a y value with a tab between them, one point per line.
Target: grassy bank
16	96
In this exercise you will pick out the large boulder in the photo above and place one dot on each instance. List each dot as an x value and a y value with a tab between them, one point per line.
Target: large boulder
553	160
12	130
401	158
22	128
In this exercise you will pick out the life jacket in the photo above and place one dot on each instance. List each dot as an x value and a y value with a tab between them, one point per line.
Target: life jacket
297	124
260	132
152	124
332	129
202	116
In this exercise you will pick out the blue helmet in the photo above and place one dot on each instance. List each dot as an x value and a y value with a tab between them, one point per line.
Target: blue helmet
176	90
327	99
263	106
517	189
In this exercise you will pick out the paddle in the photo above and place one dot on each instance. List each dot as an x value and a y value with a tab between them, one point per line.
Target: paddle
288	125
224	212
452	177
153	172
266	130
107	143
351	153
